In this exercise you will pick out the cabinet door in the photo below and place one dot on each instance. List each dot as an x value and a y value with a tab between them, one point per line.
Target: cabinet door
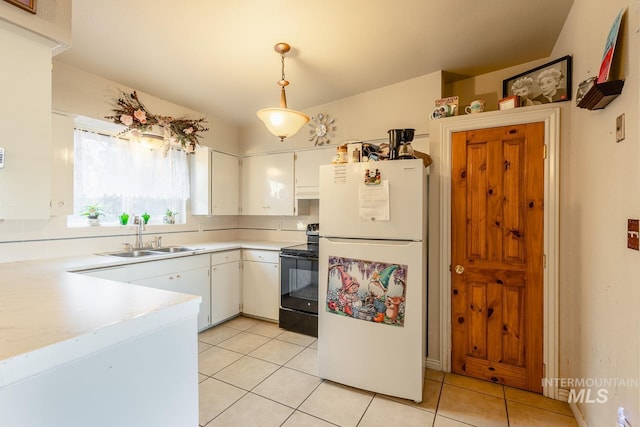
61	165
225	188
267	185
200	174
307	171
225	291
193	282
260	289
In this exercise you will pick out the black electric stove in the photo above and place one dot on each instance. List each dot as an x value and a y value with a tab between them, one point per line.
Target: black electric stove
299	285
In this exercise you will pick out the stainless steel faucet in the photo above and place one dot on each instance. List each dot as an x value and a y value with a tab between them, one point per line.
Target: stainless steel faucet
137	220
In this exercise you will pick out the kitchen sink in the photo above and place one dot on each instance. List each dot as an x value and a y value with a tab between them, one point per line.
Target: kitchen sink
133	254
173	249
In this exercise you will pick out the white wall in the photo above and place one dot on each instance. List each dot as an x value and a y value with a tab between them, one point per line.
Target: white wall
600	190
363	117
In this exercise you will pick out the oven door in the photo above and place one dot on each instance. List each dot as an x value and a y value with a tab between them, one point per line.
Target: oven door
299	283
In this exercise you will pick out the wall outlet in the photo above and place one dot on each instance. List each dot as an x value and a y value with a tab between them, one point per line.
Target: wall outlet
620	128
633	234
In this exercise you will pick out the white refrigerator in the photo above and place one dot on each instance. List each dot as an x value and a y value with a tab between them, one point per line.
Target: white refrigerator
372	294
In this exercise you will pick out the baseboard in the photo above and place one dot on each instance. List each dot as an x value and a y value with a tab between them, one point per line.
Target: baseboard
563	395
436	365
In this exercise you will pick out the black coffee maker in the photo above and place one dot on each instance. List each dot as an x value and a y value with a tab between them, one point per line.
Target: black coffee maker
398	137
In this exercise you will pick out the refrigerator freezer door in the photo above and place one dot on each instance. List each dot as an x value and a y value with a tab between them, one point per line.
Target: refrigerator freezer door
347	205
371	336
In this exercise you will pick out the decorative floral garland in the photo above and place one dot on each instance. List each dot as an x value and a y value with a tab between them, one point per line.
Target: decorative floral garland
133	114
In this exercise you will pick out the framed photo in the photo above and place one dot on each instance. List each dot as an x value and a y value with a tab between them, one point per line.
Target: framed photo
547	83
28	5
509	102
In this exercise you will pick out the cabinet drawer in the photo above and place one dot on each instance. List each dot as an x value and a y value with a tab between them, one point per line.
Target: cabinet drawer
260	256
166	266
226	256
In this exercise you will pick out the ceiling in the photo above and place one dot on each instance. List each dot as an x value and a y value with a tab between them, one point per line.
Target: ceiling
217	57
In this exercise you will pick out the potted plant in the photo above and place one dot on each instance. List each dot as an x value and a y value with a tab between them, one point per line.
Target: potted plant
170	216
93	213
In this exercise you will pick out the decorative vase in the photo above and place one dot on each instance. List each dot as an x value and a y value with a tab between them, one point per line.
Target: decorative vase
146	217
124	218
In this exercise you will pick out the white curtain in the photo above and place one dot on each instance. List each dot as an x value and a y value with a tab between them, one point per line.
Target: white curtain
106	165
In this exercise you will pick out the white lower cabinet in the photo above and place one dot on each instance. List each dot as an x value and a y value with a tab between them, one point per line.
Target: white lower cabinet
261	283
188	275
225	285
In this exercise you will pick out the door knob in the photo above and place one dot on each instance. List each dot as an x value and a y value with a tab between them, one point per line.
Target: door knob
459	269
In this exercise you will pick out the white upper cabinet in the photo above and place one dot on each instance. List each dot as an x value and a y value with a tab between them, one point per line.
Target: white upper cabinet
267	185
62	165
307	168
215	185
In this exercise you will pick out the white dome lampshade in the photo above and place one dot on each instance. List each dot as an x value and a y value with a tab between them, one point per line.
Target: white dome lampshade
282	122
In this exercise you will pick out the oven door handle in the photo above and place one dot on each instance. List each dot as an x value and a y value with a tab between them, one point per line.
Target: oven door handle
298	257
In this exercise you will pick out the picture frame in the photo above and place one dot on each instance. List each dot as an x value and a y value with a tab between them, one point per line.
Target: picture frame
554	78
28	5
509	102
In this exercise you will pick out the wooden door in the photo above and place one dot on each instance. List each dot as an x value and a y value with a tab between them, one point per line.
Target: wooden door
497	192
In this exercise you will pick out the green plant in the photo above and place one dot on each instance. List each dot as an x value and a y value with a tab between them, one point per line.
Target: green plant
92	211
170	213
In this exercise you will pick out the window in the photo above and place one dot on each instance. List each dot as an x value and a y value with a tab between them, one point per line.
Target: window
127	176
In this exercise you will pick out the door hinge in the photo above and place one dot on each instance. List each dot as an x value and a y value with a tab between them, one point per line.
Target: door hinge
545	152
544	261
544	370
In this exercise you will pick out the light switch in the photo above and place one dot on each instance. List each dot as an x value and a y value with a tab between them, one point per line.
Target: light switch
620	128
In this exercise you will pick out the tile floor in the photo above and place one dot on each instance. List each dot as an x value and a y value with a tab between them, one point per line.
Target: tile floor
253	373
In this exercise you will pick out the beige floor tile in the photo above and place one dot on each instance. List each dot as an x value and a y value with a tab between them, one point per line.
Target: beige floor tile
469	383
314	344
215	359
217	334
434	375
202	378
241	323
266	329
430	396
295	338
383	413
337	404
275	351
306	361
202	346
215	397
247	372
521	415
288	387
472	407
243	342
253	410
537	400
300	419
448	422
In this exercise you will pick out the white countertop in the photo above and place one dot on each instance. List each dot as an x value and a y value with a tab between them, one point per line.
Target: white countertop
49	315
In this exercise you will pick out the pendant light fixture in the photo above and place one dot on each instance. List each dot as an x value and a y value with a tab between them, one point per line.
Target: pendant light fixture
282	122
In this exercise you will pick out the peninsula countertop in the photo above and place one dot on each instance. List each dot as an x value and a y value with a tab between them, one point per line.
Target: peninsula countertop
50	315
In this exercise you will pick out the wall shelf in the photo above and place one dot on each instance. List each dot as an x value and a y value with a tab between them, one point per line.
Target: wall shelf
601	94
